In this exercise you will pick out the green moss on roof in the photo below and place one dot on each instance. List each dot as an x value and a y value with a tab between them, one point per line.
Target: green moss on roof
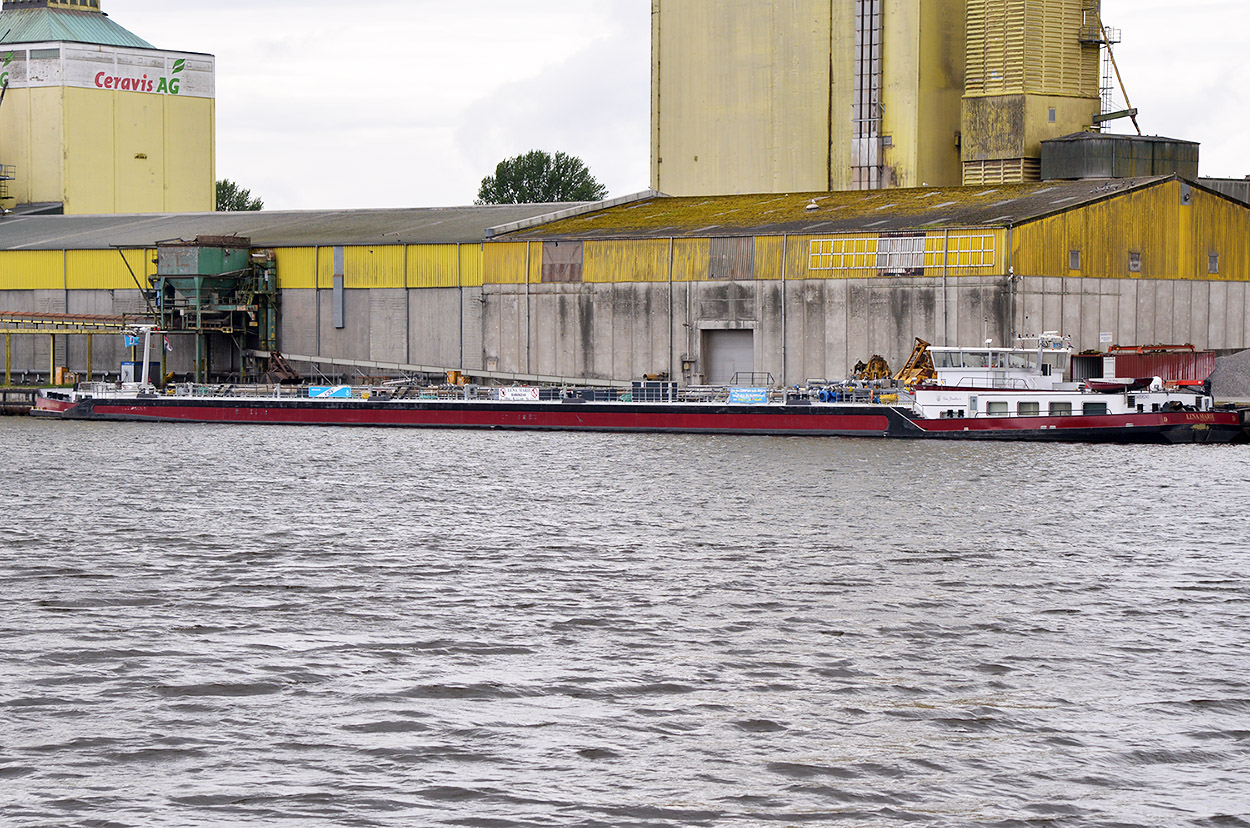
54	25
923	208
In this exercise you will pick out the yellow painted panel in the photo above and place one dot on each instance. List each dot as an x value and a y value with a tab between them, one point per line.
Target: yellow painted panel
1027	46
433	265
753	117
535	263
1221	228
131	152
691	259
32	139
938	104
472	265
89	151
32	270
769	252
922	91
139	153
325	267
374	266
504	263
105	270
190	127
625	261
297	268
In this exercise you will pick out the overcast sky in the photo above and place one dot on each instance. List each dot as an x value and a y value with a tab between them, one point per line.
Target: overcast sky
409	103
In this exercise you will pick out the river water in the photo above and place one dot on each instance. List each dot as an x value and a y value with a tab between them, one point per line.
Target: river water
229	625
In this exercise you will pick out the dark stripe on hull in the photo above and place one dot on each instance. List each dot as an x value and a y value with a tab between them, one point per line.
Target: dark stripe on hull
844	421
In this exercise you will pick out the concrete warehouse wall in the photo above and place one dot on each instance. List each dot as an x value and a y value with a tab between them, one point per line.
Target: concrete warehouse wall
623	330
436	327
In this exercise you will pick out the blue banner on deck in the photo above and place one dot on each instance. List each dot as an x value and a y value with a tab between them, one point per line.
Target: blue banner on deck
748	396
337	391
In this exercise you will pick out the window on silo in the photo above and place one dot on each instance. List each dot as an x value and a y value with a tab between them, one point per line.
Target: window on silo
1074	260
1134	262
1052	114
1213	263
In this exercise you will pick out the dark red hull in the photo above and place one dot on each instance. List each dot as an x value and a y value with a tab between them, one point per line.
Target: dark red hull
847	420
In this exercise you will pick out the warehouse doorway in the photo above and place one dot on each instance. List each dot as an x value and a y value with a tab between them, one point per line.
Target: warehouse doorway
726	353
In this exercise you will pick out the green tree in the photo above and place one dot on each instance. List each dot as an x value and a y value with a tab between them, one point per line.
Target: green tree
539	178
233	198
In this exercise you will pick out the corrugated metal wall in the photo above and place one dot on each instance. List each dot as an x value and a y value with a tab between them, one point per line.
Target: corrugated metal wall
433	265
626	261
106	269
375	266
32	269
504	263
1173	228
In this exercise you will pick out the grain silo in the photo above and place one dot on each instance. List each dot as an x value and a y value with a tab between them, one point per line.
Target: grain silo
806	95
94	119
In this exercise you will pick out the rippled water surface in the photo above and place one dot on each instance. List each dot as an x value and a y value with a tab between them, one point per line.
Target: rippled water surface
217	626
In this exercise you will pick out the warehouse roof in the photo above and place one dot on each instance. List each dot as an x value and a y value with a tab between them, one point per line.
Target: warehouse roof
924	208
53	25
269	228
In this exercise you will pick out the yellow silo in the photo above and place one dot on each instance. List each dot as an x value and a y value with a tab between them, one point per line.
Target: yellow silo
97	120
802	95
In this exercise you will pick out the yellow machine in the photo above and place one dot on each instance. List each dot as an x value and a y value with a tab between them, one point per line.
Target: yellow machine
919	365
876	369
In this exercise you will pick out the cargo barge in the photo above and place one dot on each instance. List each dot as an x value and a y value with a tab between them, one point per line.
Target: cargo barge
970	394
1181	423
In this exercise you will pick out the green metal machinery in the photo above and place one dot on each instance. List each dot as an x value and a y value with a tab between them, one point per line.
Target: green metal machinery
217	286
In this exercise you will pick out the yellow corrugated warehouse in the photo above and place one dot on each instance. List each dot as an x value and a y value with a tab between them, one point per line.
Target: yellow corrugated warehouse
797	286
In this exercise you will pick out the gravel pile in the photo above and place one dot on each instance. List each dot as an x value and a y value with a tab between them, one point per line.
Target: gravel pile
1230	382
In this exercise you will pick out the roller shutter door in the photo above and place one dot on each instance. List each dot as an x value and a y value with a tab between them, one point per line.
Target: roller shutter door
727	353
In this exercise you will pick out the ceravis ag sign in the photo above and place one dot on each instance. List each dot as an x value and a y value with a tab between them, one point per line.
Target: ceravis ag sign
112	68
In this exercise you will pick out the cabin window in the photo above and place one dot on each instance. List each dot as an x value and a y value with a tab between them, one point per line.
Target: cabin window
1094	408
1074	260
976	359
1060	409
996	409
944	359
1134	262
1058	362
1213	263
1022	360
1029	409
